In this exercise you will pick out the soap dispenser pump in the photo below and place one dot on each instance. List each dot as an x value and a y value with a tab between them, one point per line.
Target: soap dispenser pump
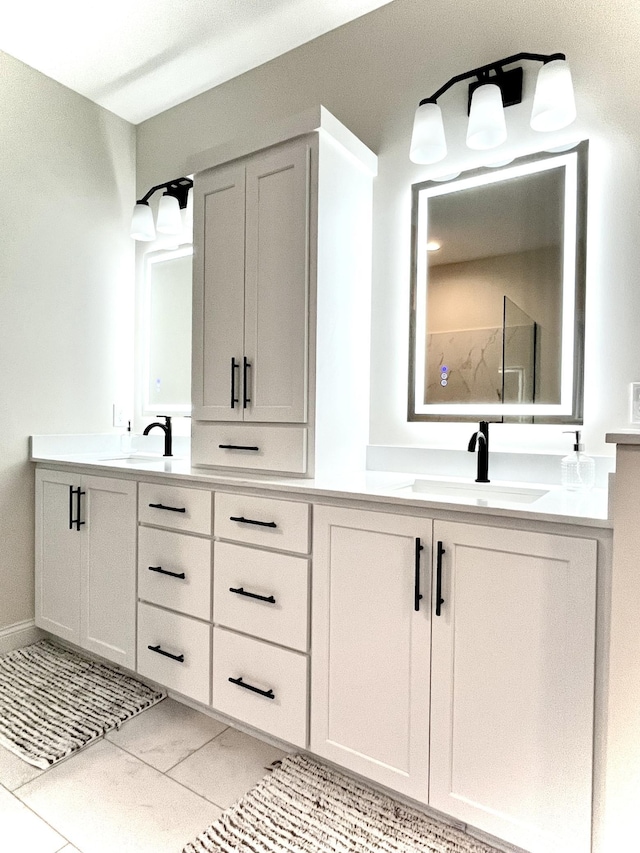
578	471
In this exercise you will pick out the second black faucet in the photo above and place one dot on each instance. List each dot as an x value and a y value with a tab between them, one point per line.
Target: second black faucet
480	438
166	428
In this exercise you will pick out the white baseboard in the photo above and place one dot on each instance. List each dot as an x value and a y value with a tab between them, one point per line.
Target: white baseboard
18	635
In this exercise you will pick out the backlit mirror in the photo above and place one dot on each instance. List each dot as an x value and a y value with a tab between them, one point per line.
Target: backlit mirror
166	368
497	293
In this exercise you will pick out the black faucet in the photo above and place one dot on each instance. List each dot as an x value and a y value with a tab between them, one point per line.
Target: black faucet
481	438
166	429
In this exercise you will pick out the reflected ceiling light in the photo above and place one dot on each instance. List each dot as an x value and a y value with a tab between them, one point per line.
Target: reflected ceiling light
169	220
495	88
433	246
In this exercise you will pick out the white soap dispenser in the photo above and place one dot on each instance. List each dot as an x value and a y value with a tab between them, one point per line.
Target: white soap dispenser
578	471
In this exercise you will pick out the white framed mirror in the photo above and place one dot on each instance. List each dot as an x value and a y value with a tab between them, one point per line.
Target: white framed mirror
166	332
497	293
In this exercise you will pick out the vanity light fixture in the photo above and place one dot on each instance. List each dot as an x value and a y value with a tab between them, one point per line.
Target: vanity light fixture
495	88
169	221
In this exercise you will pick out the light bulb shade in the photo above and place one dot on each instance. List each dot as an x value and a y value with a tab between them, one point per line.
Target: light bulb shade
187	213
487	128
554	105
169	219
428	144
142	227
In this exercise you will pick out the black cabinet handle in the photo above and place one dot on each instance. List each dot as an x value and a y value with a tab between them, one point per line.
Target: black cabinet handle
162	571
234	366
159	651
416	584
168	508
242	520
236	447
246	365
71	494
241	591
439	598
268	693
78	493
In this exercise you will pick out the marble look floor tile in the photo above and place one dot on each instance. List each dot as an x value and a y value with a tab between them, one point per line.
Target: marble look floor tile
227	767
166	734
22	830
14	771
105	800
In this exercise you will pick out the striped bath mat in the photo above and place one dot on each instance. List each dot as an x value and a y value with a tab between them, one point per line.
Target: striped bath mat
304	806
53	701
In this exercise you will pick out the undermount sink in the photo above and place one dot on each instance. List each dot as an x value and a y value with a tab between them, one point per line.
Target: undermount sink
483	492
135	458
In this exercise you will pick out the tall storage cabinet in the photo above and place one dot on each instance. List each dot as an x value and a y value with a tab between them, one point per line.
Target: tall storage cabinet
282	255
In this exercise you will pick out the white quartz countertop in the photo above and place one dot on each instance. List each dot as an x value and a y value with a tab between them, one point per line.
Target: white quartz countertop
588	508
623	436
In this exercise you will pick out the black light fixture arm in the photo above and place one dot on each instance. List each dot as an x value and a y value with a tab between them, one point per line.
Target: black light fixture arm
179	188
482	73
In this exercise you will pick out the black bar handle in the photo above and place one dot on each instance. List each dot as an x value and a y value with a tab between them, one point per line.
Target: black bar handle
236	447
268	693
168	508
439	598
78	493
162	571
234	366
71	494
241	591
246	365
159	651
242	520
416	584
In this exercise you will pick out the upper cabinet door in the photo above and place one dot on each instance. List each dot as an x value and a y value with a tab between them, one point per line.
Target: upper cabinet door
218	295
277	285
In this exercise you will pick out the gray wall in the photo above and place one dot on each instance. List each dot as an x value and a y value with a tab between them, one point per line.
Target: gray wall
370	74
67	173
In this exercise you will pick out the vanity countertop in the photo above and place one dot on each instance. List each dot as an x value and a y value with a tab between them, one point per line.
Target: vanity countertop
587	509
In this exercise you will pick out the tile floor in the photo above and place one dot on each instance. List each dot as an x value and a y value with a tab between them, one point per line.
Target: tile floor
150	787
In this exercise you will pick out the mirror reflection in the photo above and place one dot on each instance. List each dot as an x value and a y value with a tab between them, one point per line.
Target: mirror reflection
498	273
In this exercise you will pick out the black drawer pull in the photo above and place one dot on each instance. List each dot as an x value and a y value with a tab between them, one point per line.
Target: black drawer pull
439	598
236	447
242	520
268	693
241	591
168	508
159	651
162	571
417	596
234	399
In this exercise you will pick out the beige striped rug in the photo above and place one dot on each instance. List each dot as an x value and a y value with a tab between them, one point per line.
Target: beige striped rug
304	806
54	701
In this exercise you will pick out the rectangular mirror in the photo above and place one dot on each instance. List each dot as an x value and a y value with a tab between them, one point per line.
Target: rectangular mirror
497	293
166	367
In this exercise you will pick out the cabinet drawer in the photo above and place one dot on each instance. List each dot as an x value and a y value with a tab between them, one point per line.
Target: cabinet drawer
279	673
282	524
279	578
275	448
179	636
164	551
175	507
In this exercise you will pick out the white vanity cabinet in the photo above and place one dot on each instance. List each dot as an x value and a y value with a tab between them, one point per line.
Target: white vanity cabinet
481	708
85	561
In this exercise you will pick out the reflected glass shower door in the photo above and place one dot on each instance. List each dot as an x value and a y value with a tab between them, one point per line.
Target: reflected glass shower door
519	345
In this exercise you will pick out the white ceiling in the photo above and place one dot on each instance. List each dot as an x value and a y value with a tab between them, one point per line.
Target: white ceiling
140	57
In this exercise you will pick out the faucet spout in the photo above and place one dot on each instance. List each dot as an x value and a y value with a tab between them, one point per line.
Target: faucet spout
166	428
480	439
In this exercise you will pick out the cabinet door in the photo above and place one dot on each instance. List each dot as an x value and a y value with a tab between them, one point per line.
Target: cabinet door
370	646
58	554
218	295
512	685
277	284
108	581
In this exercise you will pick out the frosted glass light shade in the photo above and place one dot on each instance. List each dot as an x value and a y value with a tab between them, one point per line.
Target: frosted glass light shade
169	220
487	127
142	227
428	144
187	213
554	105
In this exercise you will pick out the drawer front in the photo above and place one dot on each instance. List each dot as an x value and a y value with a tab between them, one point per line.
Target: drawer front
280	673
175	507
258	448
279	578
178	636
174	570
268	523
